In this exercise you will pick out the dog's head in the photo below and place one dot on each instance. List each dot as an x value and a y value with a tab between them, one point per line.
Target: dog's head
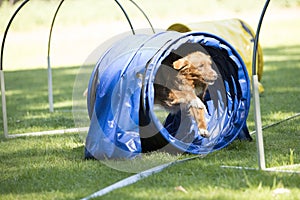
197	65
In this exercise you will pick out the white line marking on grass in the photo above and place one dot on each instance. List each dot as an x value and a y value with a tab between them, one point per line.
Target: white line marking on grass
52	132
277	123
135	178
273	169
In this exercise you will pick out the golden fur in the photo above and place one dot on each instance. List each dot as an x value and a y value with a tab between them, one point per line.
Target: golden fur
187	90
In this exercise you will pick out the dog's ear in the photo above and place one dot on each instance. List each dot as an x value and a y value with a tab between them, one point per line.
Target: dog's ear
178	64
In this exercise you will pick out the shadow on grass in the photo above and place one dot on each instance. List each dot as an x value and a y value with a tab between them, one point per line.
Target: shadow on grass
30	87
281	84
54	165
51	164
281	78
27	99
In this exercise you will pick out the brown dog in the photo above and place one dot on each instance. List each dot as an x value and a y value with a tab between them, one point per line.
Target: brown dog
193	75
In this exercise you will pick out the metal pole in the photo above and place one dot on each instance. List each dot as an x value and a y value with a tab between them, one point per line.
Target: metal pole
127	17
4	113
50	90
5	129
257	114
136	5
258	125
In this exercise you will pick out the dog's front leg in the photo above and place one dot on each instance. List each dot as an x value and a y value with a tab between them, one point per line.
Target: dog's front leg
197	109
199	115
194	105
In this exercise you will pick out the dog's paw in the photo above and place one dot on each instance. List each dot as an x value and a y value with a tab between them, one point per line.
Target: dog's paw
204	133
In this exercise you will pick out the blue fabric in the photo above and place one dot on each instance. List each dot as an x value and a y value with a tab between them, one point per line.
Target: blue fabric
123	98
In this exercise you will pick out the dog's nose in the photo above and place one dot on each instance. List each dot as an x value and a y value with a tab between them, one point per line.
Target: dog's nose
215	75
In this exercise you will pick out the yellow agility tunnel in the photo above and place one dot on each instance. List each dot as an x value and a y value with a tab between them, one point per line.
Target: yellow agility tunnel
237	32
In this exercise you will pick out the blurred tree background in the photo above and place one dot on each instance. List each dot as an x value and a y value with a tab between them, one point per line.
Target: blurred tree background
83	25
10	1
285	3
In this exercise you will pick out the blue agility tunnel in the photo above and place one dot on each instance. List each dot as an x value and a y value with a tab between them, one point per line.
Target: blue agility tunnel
125	122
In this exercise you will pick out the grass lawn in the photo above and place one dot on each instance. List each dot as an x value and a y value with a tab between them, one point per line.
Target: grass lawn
52	167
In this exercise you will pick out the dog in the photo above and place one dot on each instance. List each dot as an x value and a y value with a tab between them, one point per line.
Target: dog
185	88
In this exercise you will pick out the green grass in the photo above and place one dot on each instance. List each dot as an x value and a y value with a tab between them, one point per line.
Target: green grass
27	103
52	167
